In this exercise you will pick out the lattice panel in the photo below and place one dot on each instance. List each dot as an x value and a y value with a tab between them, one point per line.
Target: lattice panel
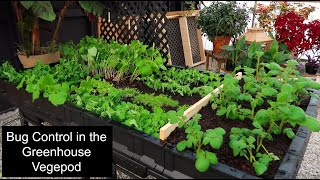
192	27
141	20
175	43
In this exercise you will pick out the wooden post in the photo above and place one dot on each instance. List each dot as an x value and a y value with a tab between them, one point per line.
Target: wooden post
99	25
185	41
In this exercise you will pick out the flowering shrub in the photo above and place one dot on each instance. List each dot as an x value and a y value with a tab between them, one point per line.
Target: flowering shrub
267	14
291	30
313	39
299	36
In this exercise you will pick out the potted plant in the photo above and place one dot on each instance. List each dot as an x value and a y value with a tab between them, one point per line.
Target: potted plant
222	21
28	14
312	64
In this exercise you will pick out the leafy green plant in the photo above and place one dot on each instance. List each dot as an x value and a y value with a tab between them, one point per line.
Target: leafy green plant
28	14
116	61
280	96
8	72
183	81
226	101
154	101
247	143
197	139
237	52
223	19
274	55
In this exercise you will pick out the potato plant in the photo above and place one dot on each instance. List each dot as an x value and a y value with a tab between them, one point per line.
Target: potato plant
279	95
197	139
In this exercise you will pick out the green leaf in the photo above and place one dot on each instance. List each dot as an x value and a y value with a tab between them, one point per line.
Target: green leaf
251	139
284	109
287	88
201	153
143	48
241	43
35	95
215	143
259	53
202	164
221	111
27	4
283	97
313	84
206	140
212	158
181	145
289	133
58	98
92	51
259	168
274	47
162	67
265	160
21	82
297	113
311	123
41	9
93	7
219	131
273	73
145	70
246	97
257	125
269	91
158	60
228	48
237	146
262	117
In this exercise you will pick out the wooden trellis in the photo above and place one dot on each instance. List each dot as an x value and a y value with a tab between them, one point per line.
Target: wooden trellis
175	33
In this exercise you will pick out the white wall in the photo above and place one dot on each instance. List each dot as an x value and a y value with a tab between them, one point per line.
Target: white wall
313	16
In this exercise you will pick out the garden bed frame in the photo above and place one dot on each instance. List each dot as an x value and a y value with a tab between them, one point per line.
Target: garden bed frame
143	154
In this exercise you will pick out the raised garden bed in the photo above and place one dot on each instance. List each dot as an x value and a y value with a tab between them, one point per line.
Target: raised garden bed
79	99
290	152
164	155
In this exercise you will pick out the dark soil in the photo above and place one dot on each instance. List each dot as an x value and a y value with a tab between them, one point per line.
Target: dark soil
210	121
183	100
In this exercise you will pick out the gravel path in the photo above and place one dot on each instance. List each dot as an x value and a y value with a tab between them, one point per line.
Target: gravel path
310	166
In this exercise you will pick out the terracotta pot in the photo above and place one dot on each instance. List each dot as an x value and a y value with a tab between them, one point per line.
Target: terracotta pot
29	62
220	41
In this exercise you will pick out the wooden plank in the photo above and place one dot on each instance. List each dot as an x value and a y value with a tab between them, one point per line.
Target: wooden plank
198	63
185	41
182	13
318	79
166	130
